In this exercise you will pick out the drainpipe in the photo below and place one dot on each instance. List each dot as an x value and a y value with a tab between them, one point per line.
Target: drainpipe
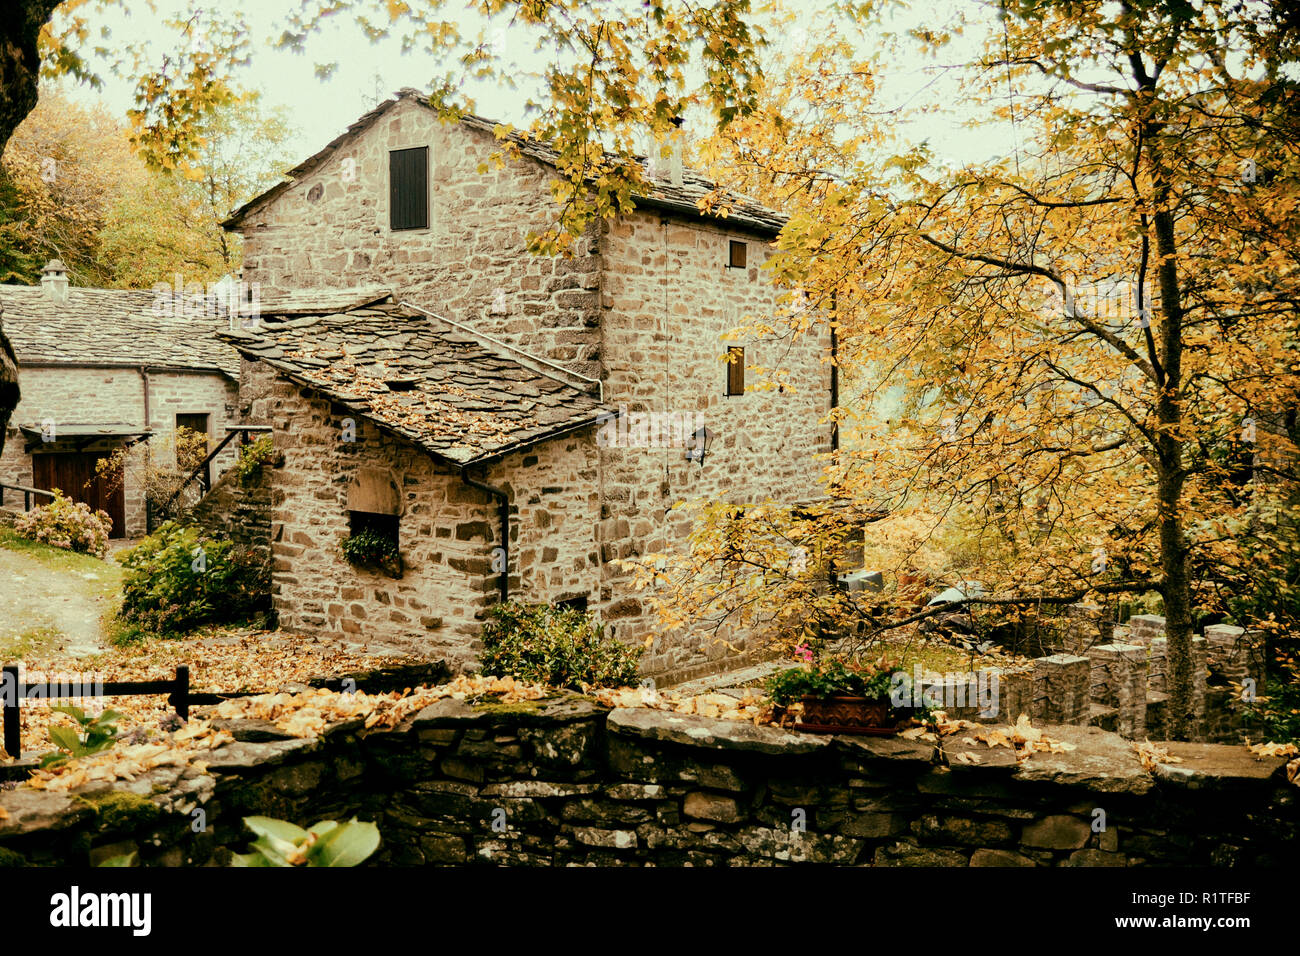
503	513
835	374
144	381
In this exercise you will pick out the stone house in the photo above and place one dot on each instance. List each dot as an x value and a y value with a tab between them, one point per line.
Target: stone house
105	368
630	327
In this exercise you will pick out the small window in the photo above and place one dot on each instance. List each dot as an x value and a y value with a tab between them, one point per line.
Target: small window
408	188
577	603
735	371
190	453
737	255
368	521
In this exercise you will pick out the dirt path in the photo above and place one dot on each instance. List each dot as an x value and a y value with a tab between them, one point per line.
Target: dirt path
50	608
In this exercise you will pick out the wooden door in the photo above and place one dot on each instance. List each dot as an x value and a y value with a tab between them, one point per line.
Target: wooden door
73	473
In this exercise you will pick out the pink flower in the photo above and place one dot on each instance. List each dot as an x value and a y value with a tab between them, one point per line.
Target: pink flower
804	652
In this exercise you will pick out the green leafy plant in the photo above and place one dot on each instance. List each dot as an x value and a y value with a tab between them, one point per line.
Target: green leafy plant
280	843
95	734
370	549
69	524
559	646
1276	713
252	457
829	678
178	578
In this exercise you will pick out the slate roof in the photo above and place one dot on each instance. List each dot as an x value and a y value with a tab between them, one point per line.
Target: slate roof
462	401
113	326
742	212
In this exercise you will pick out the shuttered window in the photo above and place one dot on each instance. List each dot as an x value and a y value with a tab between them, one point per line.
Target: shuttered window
737	255
408	188
735	371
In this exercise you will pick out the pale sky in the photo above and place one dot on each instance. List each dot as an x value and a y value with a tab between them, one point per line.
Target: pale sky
366	72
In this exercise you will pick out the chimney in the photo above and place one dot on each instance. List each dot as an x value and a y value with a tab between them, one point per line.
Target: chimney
54	280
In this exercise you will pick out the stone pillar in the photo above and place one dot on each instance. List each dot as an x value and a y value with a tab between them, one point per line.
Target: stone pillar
1143	628
1083	628
1157	664
1199	649
1119	680
1015	696
1235	653
1061	689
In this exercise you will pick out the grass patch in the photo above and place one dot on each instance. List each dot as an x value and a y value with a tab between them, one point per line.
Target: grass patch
101	576
31	641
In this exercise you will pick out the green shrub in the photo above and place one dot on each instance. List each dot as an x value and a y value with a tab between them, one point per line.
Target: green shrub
252	457
828	678
559	646
1276	712
69	524
328	843
177	579
369	549
96	734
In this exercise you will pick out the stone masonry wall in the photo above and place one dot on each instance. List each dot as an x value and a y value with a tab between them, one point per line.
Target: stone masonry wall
448	531
90	395
239	510
470	265
566	782
668	298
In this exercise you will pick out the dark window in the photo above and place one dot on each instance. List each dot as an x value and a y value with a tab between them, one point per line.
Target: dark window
577	603
383	525
188	458
408	188
195	422
736	258
735	371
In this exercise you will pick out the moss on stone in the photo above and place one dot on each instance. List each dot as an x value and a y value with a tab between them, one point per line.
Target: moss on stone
121	811
514	707
10	858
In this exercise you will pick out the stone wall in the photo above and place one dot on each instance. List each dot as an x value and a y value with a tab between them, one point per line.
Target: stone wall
1129	678
238	510
105	395
470	264
448	531
564	782
668	298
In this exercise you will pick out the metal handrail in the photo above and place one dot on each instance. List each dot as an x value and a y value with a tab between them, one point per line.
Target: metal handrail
201	467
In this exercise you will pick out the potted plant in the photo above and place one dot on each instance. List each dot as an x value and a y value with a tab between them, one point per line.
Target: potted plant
370	549
836	697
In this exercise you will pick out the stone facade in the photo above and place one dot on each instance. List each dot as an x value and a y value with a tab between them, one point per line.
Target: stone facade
80	394
566	782
643	305
447	530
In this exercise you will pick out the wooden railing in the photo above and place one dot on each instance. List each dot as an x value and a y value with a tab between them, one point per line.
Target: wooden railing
25	491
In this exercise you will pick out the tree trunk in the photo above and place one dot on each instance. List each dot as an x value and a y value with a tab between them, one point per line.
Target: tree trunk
1177	589
20	66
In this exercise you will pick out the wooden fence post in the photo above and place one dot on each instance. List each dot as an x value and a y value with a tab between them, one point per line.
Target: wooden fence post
12	691
181	697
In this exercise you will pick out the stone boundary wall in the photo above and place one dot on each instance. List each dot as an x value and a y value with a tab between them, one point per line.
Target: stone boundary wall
566	782
239	511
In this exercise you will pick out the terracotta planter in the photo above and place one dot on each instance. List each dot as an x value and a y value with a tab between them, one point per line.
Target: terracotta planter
847	715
